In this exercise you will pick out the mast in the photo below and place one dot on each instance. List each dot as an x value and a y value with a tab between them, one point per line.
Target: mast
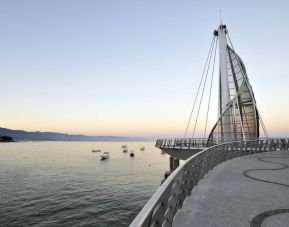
224	84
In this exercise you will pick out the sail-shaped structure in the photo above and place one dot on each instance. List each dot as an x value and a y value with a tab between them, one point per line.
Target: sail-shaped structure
238	115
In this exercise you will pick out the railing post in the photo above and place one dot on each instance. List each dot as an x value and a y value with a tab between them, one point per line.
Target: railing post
266	144
164	145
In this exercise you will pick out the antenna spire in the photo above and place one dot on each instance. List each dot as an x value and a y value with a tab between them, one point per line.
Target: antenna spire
221	16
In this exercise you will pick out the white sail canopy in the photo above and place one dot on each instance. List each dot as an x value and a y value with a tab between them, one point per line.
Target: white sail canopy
238	114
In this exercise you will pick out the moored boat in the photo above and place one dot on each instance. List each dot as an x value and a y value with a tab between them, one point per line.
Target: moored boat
104	155
93	150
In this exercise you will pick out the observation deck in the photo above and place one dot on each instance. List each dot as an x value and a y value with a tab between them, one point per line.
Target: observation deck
181	148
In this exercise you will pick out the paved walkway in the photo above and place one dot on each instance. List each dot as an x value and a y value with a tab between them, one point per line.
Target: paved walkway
248	191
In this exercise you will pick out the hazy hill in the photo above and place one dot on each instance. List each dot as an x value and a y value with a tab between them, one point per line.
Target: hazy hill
55	136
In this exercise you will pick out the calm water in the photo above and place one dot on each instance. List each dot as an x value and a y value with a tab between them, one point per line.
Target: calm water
65	184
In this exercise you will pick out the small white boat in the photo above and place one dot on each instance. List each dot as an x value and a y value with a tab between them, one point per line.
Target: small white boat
142	148
124	150
131	154
95	150
104	155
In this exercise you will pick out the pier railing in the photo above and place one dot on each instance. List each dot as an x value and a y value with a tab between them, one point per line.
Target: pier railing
163	205
192	143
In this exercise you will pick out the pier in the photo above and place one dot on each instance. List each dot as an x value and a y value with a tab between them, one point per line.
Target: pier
175	201
234	177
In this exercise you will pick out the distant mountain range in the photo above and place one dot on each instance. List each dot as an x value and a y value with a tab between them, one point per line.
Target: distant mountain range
55	136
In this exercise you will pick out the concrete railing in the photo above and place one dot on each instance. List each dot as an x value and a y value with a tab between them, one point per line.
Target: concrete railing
163	205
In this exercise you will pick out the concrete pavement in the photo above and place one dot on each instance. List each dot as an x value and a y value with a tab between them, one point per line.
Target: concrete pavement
247	191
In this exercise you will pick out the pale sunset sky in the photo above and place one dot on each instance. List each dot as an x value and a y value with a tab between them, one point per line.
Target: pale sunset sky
132	67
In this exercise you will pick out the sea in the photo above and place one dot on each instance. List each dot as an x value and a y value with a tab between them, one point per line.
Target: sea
66	184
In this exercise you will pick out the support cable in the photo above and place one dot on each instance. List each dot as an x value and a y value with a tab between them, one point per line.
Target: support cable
210	89
203	73
196	122
263	126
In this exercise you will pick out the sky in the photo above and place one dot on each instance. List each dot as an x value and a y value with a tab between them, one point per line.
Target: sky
132	67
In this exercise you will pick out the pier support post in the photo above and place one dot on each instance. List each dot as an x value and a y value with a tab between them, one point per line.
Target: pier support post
171	164
176	163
